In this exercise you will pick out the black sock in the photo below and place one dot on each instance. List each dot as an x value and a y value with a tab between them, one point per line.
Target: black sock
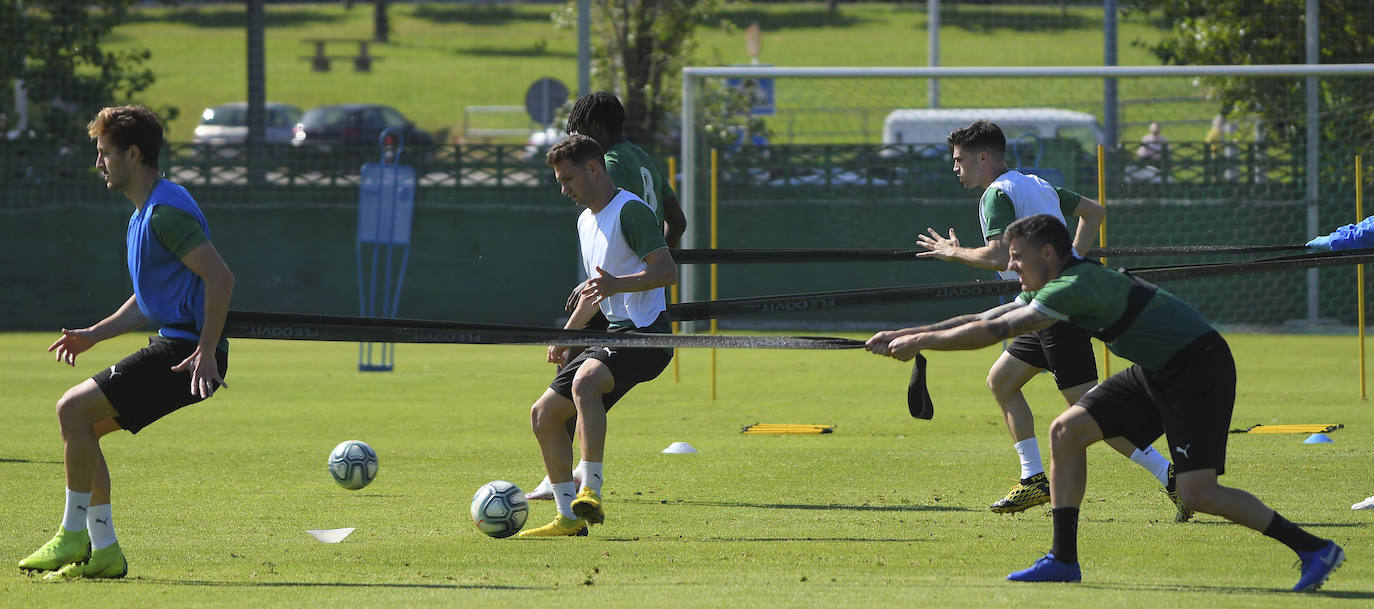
1065	548
1292	535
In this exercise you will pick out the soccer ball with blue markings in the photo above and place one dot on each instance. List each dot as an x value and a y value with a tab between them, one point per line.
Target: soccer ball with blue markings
499	509
353	464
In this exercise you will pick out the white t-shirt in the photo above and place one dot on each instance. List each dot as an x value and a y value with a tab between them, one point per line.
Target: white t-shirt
617	239
1015	195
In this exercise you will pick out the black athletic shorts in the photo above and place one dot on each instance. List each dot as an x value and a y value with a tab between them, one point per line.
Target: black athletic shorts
142	387
1190	399
1063	348
628	366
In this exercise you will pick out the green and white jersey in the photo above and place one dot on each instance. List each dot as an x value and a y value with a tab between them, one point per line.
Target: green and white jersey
1091	297
617	239
1015	195
631	168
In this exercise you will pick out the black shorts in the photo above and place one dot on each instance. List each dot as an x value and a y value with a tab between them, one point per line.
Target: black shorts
1063	348
1190	399
142	387
628	366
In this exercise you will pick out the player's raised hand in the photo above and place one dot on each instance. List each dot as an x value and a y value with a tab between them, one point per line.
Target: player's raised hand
71	344
940	247
601	287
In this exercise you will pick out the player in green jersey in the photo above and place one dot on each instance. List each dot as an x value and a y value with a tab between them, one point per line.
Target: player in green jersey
1182	386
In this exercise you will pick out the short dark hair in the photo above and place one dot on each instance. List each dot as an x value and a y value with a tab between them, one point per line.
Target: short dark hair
577	148
979	137
130	126
1035	231
600	108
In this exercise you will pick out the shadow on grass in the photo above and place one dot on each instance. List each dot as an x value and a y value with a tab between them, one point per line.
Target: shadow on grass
1315	525
537	49
847	539
235	18
243	584
479	15
1350	594
806	506
8	460
777	18
985	20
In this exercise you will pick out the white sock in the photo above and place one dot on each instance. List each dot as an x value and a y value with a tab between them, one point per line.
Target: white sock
563	495
1153	462
1029	450
591	475
101	524
74	518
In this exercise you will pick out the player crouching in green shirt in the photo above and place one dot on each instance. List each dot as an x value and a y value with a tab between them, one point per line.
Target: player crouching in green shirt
1182	386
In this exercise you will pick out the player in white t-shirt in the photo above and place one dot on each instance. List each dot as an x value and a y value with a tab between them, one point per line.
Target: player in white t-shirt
627	260
979	159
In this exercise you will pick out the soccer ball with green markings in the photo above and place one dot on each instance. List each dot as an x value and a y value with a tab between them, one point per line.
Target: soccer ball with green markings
499	509
353	464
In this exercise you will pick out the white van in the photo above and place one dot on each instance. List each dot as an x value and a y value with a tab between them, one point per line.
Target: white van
933	125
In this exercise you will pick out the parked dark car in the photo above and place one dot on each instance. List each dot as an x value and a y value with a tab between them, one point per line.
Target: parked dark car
353	125
228	123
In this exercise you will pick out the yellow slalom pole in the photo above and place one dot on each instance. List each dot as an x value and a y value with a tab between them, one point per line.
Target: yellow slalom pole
1102	239
672	290
1359	269
715	200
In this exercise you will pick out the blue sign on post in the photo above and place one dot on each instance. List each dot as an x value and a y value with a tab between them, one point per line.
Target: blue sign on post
386	202
760	92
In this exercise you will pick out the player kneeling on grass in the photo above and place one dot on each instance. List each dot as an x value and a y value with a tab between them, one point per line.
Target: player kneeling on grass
1183	386
180	283
627	260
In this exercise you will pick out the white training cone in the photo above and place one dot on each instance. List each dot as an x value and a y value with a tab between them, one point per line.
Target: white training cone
330	535
1367	504
679	448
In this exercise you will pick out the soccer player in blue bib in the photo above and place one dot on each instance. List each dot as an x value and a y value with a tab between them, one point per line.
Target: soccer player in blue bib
1182	386
180	284
627	262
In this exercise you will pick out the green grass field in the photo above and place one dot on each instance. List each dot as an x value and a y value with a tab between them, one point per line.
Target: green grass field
212	503
445	57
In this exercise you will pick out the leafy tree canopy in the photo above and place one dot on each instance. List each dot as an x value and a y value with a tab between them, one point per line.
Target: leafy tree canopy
54	46
1251	32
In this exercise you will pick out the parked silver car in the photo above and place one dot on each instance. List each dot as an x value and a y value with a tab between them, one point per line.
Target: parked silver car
228	123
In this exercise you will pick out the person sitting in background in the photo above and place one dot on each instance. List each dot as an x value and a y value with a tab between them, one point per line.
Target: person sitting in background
1153	146
1348	237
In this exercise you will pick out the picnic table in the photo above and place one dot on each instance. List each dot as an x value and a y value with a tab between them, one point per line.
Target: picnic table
319	62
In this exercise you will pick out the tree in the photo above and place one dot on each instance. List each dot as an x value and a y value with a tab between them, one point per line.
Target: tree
639	49
54	46
1249	32
381	27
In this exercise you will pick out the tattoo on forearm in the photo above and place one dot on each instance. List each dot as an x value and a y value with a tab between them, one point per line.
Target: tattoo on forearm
1003	328
953	322
999	328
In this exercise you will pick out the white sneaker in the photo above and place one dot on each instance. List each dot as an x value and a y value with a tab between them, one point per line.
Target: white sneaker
1367	504
544	491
